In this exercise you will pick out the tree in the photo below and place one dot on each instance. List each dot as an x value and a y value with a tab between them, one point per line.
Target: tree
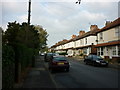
11	33
28	36
42	38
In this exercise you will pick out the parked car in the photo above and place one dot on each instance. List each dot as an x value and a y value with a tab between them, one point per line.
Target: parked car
48	56
42	54
58	63
95	60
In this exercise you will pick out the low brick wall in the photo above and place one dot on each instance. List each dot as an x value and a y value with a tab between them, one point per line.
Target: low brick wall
113	60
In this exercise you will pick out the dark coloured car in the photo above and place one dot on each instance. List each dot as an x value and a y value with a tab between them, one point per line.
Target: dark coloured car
48	56
42	54
59	63
95	60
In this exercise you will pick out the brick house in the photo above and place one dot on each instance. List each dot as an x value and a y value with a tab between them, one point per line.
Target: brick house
108	40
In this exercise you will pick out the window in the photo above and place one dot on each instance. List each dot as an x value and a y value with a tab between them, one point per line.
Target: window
107	51
101	50
114	50
85	51
86	40
119	50
97	57
101	36
81	42
98	50
117	31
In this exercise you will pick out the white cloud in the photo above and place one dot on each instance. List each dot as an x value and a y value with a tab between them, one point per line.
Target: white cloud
61	20
23	18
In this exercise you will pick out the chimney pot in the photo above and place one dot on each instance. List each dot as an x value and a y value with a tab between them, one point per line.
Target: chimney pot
81	33
93	27
107	22
73	36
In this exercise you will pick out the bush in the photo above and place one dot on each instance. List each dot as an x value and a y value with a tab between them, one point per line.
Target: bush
8	68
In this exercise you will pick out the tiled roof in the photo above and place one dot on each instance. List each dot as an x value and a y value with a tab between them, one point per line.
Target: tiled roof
111	25
83	47
94	32
108	44
59	43
86	34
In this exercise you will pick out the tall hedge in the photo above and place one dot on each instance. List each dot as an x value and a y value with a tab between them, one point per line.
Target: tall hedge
23	59
8	66
24	55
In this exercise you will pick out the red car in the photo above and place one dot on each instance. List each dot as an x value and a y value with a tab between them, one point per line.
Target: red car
59	62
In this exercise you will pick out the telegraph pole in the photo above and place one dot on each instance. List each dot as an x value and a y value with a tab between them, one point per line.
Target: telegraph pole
29	11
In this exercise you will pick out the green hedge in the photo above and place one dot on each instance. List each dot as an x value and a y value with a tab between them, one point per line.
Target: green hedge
8	67
11	59
24	55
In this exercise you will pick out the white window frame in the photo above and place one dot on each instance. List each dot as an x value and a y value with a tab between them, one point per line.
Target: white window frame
101	35
85	51
102	51
98	51
117	31
114	51
85	40
118	50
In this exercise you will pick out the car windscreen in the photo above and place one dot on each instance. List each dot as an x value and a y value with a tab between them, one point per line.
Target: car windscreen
59	59
49	54
55	54
97	57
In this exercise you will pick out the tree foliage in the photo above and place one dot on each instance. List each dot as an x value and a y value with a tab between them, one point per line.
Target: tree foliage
25	41
42	38
29	35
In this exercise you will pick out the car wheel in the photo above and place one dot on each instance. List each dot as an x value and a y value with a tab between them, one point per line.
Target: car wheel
86	63
94	64
67	70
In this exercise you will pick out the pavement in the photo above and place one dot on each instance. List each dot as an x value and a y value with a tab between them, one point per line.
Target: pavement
38	77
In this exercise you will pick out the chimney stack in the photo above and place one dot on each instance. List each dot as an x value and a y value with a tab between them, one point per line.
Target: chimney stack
73	36
93	27
81	33
107	22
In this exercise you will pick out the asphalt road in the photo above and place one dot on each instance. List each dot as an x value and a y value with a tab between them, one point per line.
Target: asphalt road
85	76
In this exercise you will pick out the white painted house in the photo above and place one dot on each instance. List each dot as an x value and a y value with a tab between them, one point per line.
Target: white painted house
109	40
104	42
85	41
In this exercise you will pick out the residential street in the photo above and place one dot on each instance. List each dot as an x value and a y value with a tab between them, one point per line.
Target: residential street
79	76
86	76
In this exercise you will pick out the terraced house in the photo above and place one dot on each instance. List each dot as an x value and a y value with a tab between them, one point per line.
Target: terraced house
104	42
108	40
85	42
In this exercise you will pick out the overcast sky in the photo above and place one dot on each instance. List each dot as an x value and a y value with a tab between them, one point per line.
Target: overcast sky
61	18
